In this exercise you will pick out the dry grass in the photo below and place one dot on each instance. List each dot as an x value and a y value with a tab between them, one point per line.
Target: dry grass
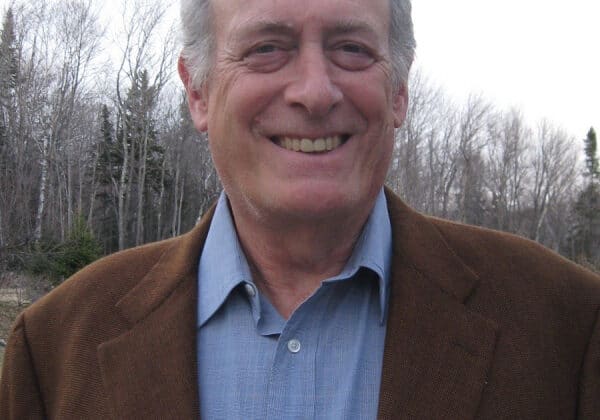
8	313
16	291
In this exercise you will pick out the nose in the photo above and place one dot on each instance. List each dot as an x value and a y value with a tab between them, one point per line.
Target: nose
312	87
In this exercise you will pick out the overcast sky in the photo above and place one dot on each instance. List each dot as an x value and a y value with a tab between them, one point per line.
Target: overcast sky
541	56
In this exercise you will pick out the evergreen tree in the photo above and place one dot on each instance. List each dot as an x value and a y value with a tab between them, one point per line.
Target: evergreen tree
8	117
137	129
109	153
8	79
79	250
109	161
9	64
591	160
584	241
58	261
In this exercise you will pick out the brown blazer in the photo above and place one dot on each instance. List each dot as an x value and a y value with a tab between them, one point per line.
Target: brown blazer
481	325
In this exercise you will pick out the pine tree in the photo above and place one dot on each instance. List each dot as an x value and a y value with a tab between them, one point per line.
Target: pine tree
591	159
110	159
137	130
584	241
9	64
80	249
8	77
8	116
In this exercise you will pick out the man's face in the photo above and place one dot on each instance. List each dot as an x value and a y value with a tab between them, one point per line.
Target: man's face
311	74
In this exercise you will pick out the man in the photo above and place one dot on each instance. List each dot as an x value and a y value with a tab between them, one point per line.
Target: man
309	291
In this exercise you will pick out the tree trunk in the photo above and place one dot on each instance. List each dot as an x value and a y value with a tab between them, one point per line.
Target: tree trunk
139	226
179	208
160	202
121	216
93	188
37	234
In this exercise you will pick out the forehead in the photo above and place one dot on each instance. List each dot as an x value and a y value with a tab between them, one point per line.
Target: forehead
234	17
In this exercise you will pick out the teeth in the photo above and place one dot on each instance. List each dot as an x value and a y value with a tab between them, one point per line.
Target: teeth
320	145
307	146
310	146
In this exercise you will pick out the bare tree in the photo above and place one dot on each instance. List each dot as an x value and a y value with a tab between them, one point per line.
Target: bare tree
442	159
471	142
410	173
142	50
554	170
58	43
507	142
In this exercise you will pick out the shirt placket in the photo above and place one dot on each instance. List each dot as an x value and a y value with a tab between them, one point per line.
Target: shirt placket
291	387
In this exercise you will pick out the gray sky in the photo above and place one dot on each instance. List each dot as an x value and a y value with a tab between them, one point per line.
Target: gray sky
542	56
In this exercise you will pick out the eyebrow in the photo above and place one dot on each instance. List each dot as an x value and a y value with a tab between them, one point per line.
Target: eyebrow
274	27
262	27
351	26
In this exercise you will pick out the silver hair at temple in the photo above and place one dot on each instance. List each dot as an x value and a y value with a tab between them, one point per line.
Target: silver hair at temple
197	35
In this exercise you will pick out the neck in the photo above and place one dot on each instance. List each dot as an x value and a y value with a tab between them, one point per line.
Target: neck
289	260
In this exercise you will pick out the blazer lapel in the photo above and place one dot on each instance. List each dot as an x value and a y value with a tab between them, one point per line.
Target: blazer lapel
149	371
437	353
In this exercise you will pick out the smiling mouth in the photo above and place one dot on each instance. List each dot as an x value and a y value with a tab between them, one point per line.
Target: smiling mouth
306	145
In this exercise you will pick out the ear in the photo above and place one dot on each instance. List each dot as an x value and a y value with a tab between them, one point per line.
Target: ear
197	98
400	104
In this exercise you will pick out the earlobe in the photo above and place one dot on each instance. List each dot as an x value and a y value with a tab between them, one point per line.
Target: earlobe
197	98
400	105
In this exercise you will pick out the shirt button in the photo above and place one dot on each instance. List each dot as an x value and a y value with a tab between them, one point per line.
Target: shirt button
293	345
250	290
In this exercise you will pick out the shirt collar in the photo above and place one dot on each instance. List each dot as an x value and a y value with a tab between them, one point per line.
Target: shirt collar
373	250
223	265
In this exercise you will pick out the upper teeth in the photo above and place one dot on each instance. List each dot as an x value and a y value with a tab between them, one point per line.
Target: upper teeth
310	145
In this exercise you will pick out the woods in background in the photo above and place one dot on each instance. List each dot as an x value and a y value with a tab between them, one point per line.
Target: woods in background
479	165
98	154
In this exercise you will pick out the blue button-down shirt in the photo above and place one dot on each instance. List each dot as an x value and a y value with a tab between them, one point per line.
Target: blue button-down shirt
323	362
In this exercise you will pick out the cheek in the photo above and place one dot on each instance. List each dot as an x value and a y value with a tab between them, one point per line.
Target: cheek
381	119
231	139
241	102
373	97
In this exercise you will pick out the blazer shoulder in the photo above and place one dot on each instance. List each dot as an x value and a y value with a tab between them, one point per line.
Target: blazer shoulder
91	294
96	288
118	270
494	254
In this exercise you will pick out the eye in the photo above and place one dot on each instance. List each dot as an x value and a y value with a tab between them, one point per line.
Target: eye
353	48
352	56
265	49
267	57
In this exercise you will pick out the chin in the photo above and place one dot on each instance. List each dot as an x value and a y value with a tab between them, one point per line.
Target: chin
311	203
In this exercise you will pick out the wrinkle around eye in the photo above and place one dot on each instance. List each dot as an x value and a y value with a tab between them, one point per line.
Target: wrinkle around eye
266	58
352	57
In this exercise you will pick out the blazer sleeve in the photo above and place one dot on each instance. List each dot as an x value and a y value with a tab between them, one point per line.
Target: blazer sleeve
589	388
19	390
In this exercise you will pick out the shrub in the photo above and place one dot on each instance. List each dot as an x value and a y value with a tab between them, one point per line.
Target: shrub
59	261
79	250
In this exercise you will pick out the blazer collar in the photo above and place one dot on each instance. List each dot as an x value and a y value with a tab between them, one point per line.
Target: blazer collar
437	352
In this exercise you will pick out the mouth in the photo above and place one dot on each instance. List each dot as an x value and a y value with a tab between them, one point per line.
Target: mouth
306	145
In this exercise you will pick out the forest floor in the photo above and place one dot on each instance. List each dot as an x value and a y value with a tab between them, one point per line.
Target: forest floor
8	313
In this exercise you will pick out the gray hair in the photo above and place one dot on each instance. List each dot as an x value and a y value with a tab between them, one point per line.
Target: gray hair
198	32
